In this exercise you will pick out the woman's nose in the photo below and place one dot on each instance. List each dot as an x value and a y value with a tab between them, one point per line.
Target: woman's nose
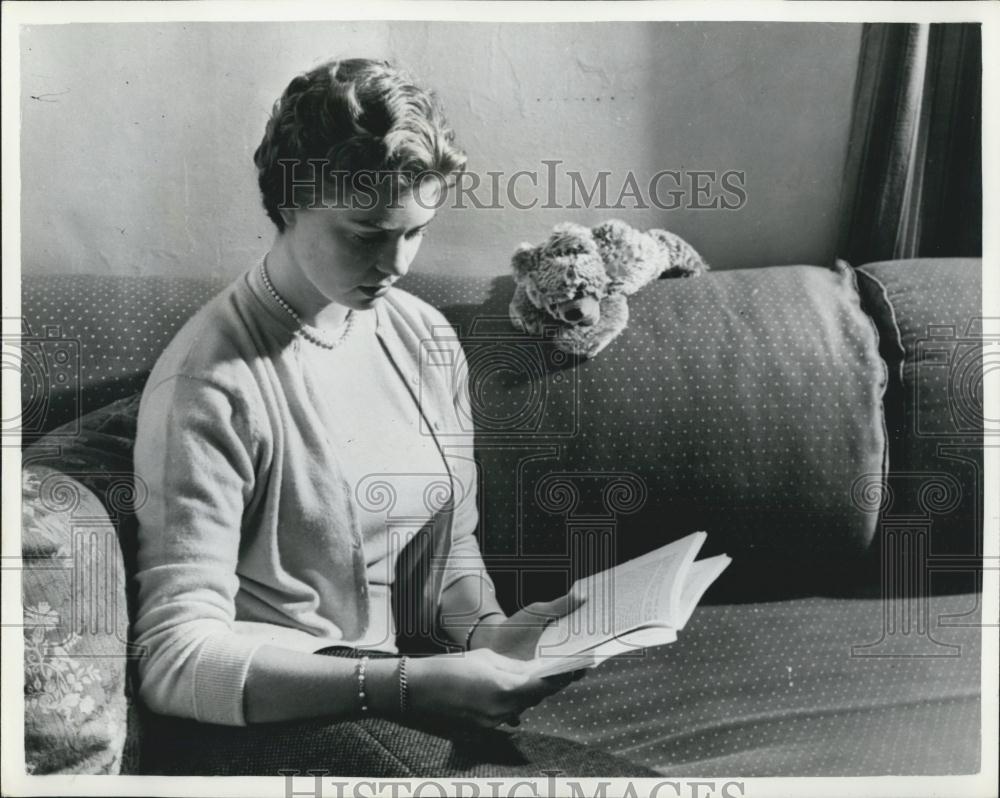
395	260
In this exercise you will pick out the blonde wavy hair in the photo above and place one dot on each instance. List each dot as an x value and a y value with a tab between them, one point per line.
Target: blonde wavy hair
346	117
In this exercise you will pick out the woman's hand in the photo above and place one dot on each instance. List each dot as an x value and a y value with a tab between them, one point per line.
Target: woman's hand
480	687
517	636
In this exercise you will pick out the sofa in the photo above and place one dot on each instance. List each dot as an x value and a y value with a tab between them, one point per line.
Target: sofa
824	426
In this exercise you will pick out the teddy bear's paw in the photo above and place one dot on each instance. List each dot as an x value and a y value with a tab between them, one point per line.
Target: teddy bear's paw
682	259
614	314
684	270
594	351
600	343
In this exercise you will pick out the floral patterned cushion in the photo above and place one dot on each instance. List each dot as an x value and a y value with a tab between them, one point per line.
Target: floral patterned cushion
75	628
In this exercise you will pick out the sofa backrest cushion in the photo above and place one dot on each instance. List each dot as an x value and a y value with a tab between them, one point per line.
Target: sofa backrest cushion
929	317
90	339
746	403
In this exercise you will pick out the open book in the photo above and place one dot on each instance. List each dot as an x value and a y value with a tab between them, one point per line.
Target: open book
640	603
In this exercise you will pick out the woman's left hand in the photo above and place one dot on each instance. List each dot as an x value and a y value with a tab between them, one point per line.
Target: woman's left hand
517	636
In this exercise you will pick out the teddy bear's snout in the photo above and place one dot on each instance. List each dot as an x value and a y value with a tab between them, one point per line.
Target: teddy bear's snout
581	312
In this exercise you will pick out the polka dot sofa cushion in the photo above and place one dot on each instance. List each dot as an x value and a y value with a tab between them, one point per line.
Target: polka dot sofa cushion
746	403
87	340
578	463
814	686
931	326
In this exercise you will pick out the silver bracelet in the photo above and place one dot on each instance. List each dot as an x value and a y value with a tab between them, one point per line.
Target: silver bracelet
479	620
403	697
360	671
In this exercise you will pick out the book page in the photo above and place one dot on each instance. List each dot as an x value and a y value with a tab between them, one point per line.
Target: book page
699	577
632	643
645	591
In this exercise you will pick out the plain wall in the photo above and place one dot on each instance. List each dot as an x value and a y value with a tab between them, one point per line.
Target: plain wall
136	140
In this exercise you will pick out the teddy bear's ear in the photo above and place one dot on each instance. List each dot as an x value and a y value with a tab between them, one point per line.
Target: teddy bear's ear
568	229
611	232
614	238
525	260
570	238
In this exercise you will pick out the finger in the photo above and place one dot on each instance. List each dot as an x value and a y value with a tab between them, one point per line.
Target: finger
559	607
492	658
575	600
510	664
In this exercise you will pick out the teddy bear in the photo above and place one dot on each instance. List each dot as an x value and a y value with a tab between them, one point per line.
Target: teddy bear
578	281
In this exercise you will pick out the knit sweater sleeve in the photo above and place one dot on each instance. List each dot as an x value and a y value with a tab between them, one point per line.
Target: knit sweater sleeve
194	455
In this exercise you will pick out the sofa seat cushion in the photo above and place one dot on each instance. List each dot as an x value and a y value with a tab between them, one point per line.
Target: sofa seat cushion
803	687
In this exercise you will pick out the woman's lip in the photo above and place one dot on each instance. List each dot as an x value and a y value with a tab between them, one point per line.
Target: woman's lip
375	290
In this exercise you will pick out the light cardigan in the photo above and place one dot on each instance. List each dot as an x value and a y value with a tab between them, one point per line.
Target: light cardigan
248	532
394	466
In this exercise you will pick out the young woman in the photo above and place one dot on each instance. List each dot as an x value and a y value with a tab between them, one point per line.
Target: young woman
311	485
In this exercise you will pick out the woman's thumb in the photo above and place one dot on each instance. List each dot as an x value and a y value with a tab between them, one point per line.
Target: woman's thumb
561	606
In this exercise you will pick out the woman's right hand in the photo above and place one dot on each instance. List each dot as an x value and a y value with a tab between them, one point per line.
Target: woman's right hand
480	687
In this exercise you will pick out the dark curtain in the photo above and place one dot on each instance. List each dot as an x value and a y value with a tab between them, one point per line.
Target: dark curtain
913	179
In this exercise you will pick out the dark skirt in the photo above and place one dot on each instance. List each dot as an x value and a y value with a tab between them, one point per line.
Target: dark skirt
366	747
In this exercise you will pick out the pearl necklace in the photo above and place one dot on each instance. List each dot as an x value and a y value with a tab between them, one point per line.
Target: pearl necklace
311	334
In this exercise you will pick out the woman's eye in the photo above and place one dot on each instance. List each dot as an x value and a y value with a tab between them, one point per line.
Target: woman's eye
373	240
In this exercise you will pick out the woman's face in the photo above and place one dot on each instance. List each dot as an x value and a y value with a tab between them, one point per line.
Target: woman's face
352	256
